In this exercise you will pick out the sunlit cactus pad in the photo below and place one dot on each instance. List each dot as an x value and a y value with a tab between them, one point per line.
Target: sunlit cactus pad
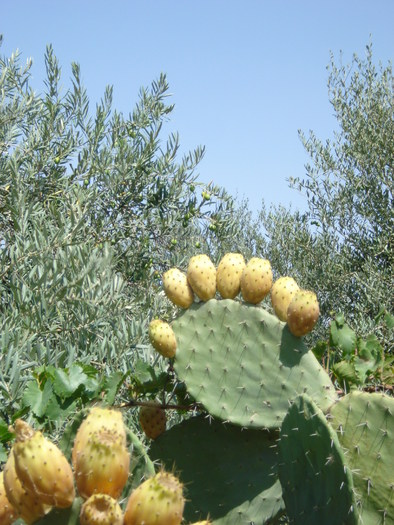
244	365
228	472
317	484
365	426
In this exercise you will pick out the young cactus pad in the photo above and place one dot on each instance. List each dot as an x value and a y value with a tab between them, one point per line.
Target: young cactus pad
365	426
229	473
244	365
317	485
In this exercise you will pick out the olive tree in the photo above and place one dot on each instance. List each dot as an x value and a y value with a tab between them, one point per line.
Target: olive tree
94	206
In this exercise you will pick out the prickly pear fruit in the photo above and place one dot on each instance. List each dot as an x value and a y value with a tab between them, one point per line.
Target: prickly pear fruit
162	337
205	522
102	466
101	509
157	501
177	288
8	513
42	467
152	420
302	313
201	275
98	418
282	292
256	280
228	275
26	504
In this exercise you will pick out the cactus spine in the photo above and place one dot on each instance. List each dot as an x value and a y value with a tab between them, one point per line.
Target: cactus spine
157	501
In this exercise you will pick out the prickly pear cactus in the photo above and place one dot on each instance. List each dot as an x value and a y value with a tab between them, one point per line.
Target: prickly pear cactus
244	365
365	426
317	484
228	472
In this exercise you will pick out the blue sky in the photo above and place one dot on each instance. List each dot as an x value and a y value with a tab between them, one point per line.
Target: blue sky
245	75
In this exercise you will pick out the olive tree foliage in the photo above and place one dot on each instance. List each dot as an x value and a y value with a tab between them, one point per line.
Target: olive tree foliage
94	206
342	246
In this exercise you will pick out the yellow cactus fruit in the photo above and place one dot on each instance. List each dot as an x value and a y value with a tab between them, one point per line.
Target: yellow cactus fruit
157	501
153	420
102	466
42	467
8	513
101	509
98	418
162	338
201	275
256	280
26	504
302	313
228	275
282	292
177	288
204	522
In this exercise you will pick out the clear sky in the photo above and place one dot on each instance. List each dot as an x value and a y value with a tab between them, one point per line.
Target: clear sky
245	75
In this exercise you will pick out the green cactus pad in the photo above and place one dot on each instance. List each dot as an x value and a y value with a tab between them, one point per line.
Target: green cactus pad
244	365
317	485
228	472
365	426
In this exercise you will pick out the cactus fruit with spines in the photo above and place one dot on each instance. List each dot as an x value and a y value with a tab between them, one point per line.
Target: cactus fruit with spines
162	338
228	275
25	503
364	423
97	419
101	509
282	292
256	280
42	467
157	501
303	312
317	483
8	513
201	275
102	467
153	420
177	288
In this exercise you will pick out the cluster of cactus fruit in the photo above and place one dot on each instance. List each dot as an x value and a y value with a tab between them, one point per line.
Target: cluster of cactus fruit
271	436
39	485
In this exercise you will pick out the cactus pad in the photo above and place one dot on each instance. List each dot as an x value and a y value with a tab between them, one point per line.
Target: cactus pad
228	472
244	365
365	425
317	485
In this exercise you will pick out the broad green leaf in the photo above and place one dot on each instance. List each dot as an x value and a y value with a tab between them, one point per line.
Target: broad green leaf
67	382
346	373
389	320
36	399
3	453
343	338
112	385
319	349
